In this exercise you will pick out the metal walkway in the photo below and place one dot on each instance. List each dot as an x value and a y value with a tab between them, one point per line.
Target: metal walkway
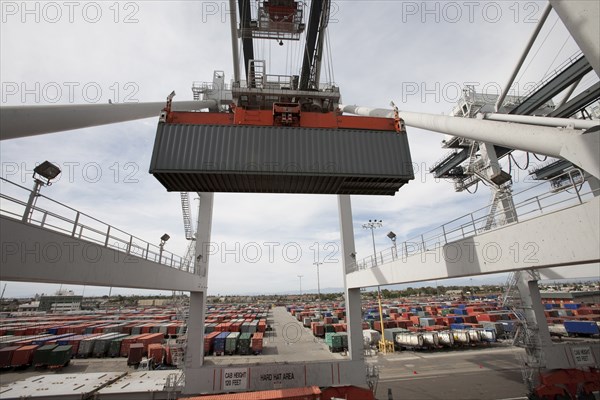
59	244
558	227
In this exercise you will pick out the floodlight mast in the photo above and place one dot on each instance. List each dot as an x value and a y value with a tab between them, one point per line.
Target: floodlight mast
45	170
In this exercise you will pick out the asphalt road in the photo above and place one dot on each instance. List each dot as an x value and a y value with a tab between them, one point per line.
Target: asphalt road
478	373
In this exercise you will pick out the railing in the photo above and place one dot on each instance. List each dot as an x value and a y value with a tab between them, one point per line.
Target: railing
557	71
474	223
61	218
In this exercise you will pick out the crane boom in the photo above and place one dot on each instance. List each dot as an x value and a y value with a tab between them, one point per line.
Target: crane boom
313	51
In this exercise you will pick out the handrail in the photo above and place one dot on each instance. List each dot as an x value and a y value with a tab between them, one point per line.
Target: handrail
474	223
91	230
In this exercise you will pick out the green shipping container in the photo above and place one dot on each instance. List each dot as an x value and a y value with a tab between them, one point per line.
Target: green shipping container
231	343
243	346
42	355
329	338
114	348
339	342
60	356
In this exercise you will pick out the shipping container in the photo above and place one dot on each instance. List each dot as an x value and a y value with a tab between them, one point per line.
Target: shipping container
23	356
243	345
231	343
136	353
156	353
219	344
60	356
41	357
6	356
339	342
256	343
371	336
373	162
86	346
581	328
209	342
102	343
150	339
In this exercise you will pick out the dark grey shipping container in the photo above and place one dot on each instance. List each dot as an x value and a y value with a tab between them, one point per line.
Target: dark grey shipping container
257	159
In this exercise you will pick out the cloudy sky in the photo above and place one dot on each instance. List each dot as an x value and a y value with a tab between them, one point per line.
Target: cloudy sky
418	54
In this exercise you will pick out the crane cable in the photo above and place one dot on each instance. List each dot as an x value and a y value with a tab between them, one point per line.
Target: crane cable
538	50
511	157
476	187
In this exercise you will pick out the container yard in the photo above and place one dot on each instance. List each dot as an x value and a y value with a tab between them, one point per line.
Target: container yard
253	334
244	330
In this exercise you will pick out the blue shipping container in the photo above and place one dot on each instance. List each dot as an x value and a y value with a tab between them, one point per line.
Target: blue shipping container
219	343
582	327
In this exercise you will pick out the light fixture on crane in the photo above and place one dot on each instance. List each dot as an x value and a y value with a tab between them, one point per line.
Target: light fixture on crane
45	170
163	240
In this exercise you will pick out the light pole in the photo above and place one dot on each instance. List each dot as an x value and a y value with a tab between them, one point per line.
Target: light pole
163	240
392	237
300	276
317	263
45	170
372	225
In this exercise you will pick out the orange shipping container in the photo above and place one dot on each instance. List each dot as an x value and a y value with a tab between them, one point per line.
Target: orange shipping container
23	356
150	339
156	352
256	343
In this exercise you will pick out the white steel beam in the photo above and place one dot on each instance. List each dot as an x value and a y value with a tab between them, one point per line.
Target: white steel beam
581	19
567	239
524	54
542	121
194	355
22	121
581	149
34	254
353	300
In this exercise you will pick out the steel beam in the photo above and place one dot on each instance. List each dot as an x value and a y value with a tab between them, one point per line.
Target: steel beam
353	298
581	19
566	239
582	100
34	254
567	77
21	121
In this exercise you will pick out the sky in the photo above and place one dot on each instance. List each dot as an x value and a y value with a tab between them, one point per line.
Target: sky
418	54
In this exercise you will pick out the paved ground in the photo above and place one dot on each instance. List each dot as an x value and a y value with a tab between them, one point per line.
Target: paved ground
289	341
479	373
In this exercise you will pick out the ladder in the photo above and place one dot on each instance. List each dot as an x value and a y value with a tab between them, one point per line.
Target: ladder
187	215
489	222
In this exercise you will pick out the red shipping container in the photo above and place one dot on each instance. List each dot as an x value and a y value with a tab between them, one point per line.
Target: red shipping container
156	352
404	323
6	355
488	317
318	329
208	341
256	343
262	326
23	356
150	339
127	342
